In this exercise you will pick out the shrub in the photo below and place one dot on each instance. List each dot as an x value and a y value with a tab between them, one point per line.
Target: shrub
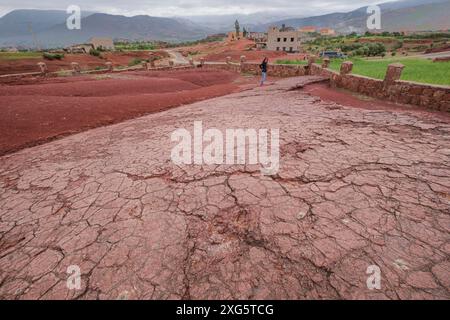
135	62
95	53
52	56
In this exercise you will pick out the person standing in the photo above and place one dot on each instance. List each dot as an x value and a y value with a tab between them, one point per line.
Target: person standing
263	67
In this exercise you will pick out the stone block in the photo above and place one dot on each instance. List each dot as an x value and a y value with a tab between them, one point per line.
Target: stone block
346	67
76	69
109	66
43	67
393	72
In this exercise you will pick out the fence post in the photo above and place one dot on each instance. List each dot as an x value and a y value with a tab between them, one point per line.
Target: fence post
43	68
393	72
75	68
109	66
243	60
346	67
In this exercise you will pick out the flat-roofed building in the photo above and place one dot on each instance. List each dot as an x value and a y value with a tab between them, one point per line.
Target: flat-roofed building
327	32
232	36
258	36
285	39
308	29
102	43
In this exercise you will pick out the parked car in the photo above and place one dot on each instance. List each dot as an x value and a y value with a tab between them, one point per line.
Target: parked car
333	54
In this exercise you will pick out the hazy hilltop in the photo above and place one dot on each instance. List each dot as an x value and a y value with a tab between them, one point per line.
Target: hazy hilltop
18	22
51	31
48	27
411	15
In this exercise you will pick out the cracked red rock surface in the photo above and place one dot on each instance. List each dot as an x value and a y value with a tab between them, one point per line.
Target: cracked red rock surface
355	188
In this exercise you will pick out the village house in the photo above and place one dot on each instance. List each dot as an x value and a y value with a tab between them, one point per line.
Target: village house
79	48
327	32
285	39
258	36
102	43
260	39
93	44
231	36
308	29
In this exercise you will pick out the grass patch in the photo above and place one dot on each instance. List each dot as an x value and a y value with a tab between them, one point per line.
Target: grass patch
135	62
19	55
300	62
135	46
418	70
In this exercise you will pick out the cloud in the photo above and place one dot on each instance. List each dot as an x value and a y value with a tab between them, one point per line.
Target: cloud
191	7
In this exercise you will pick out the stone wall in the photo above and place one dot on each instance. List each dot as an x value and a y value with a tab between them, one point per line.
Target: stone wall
76	70
274	70
391	88
428	96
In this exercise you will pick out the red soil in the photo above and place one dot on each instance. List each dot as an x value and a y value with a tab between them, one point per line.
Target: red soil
36	113
348	98
86	61
219	51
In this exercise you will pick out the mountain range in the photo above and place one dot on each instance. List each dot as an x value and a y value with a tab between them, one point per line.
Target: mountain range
406	15
47	28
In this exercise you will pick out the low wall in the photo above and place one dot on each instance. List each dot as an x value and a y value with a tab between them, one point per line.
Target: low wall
434	97
13	78
391	88
274	70
428	96
234	67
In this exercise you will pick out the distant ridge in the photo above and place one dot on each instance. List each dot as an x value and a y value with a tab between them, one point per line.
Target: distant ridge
407	15
51	31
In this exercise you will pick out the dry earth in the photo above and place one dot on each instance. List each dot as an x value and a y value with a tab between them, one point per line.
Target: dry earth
356	188
38	110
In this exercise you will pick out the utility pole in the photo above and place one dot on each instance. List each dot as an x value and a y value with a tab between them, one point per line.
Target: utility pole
36	44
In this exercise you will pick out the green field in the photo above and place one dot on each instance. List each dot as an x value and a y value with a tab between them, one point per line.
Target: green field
302	62
19	55
135	46
418	70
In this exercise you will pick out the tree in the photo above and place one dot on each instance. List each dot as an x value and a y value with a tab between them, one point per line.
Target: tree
244	33
238	29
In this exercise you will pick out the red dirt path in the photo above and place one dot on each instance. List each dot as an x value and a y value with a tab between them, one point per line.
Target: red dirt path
36	113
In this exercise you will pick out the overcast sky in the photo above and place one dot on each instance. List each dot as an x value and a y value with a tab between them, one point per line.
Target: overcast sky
192	7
